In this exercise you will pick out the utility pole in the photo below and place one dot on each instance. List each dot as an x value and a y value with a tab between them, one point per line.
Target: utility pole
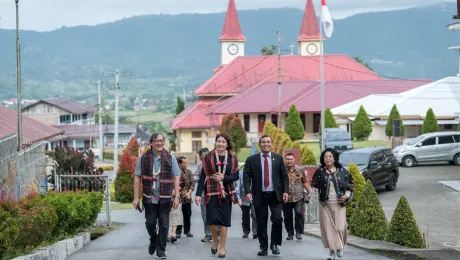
292	48
18	78
279	79
101	141
321	74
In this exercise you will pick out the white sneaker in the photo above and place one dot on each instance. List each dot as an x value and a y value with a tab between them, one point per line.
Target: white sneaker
331	255
339	253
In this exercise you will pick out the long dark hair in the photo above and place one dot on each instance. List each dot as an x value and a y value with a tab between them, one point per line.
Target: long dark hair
334	153
225	136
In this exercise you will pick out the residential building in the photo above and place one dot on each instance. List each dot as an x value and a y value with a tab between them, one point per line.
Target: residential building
60	111
238	73
442	96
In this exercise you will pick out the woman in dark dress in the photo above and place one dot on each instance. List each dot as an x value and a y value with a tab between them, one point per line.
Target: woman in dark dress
220	170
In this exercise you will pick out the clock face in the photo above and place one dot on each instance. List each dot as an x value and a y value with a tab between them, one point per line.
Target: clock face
233	49
312	48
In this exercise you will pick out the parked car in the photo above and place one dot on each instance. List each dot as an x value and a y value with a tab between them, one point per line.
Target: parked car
338	139
377	164
431	147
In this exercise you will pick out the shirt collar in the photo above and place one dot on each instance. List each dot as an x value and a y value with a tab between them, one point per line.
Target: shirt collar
269	154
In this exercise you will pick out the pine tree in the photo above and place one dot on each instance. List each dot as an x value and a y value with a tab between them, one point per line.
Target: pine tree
284	143
125	178
237	135
133	147
368	220
362	126
394	115
180	106
403	227
360	182
329	120
307	156
295	144
225	125
294	126
430	124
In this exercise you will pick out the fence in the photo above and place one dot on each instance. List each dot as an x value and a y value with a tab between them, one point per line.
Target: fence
92	183
21	173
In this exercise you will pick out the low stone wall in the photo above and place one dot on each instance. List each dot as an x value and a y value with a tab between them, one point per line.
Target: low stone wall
61	250
191	157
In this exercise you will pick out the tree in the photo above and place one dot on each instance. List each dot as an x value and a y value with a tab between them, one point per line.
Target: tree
362	126
125	178
237	135
307	156
403	227
329	120
360	182
394	115
225	125
268	50
430	124
133	147
365	64
180	105
294	126
106	118
368	220
458	127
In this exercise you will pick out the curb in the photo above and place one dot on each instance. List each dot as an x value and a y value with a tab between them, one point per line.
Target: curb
60	250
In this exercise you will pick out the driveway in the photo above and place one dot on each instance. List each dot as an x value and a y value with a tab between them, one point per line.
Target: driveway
436	206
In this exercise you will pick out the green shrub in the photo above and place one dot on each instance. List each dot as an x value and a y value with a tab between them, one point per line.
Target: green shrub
294	126
403	227
308	158
458	127
368	220
394	115
362	126
107	167
295	144
124	190
360	182
430	124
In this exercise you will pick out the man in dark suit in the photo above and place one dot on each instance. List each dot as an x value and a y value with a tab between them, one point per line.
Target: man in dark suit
266	185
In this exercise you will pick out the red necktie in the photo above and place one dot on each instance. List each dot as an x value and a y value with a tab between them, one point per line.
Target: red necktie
266	172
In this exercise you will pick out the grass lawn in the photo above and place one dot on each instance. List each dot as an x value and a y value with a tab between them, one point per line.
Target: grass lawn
147	116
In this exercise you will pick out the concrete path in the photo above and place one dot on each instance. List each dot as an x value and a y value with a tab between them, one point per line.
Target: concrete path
131	241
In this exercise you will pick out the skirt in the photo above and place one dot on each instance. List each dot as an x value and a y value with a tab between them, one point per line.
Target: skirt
219	214
176	216
333	224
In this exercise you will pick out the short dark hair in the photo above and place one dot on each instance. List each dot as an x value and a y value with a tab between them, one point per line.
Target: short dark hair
180	159
202	150
334	153
265	136
289	154
225	136
155	135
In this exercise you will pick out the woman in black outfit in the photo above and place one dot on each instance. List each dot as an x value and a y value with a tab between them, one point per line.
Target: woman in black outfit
220	170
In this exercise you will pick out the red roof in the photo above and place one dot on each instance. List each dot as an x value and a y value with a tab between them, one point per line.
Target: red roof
232	29
306	95
246	71
32	130
309	29
195	116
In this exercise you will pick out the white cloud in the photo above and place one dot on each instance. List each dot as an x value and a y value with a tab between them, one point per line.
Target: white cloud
43	15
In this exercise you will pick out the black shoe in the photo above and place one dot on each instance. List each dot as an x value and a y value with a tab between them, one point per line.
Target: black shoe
213	251
254	236
178	235
298	236
189	234
162	256
221	256
168	239
245	236
206	239
262	253
290	238
275	249
151	248
173	239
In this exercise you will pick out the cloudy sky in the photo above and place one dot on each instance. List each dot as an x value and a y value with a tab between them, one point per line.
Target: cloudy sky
45	15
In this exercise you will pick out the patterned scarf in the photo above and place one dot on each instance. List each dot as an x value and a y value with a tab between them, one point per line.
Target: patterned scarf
213	187
166	177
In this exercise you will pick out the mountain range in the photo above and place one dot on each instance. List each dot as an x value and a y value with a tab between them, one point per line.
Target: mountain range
159	49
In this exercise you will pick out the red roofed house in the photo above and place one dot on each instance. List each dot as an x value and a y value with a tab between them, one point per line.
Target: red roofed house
33	131
196	126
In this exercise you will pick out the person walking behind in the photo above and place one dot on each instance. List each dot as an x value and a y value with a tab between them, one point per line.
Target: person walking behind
247	209
266	185
176	219
220	171
297	184
335	186
159	173
196	176
187	185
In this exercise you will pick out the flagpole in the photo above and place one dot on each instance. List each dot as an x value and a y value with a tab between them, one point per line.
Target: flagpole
321	76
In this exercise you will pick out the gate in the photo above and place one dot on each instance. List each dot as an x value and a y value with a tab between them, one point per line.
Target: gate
92	183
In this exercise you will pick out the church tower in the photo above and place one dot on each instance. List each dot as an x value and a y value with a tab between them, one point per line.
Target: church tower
232	39
309	37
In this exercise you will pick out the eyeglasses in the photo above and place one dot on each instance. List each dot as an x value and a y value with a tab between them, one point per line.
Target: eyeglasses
158	141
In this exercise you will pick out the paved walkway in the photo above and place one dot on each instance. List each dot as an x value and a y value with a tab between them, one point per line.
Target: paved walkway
131	241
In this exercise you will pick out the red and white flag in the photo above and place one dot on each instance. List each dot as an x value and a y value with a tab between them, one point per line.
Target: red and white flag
326	19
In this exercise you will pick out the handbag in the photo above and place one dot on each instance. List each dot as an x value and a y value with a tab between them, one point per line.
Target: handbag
305	197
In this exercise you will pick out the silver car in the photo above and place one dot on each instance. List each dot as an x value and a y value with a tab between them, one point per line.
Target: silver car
431	147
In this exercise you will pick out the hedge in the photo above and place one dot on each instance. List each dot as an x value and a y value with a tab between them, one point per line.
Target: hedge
45	218
109	155
360	183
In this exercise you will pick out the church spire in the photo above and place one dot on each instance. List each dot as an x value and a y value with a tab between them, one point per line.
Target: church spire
309	30
232	29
